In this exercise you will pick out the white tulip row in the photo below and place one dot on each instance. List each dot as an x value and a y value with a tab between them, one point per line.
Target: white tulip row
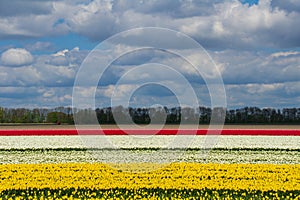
157	141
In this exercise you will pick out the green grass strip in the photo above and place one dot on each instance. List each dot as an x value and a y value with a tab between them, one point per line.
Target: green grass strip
157	193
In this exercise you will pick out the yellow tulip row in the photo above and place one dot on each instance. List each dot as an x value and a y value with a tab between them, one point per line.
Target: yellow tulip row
243	178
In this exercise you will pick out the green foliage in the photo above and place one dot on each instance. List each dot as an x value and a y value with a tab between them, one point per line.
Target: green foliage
154	193
59	117
159	115
2	119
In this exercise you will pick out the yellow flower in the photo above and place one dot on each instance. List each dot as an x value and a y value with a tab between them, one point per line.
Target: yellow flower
187	179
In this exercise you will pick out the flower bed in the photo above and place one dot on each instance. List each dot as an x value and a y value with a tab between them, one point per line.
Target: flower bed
273	132
177	180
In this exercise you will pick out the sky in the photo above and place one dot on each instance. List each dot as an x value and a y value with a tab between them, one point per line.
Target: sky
255	46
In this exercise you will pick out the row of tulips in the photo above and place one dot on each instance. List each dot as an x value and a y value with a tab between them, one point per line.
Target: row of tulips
145	180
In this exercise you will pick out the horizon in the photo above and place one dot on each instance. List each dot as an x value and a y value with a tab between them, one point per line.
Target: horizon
162	106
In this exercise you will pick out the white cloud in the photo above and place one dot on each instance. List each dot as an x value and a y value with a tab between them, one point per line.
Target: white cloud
234	25
118	91
229	29
215	24
16	57
61	53
246	67
288	5
288	53
40	46
29	26
97	13
44	70
253	78
21	8
49	93
58	60
228	24
260	89
263	95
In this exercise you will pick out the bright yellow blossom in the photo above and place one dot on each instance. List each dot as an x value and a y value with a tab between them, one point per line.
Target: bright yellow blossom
176	180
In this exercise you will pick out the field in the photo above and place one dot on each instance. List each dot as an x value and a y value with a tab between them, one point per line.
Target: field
245	166
177	180
53	127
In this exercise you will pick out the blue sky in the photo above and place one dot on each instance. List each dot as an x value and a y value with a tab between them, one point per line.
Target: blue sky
255	45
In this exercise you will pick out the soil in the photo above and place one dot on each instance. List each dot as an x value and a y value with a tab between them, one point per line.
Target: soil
47	127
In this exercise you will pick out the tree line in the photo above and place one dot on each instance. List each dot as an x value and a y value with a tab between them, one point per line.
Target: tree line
175	115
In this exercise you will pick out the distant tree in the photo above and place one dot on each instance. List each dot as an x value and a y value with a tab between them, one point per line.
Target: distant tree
58	118
86	116
174	115
157	115
2	115
121	115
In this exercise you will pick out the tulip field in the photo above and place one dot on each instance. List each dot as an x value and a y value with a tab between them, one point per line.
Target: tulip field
246	166
177	180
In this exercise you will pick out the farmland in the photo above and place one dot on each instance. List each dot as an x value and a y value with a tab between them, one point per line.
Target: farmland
29	126
32	156
177	180
149	166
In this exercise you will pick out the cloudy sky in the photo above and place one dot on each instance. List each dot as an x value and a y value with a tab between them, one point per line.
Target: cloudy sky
255	46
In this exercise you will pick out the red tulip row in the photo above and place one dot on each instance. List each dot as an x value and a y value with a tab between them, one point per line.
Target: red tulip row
270	132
